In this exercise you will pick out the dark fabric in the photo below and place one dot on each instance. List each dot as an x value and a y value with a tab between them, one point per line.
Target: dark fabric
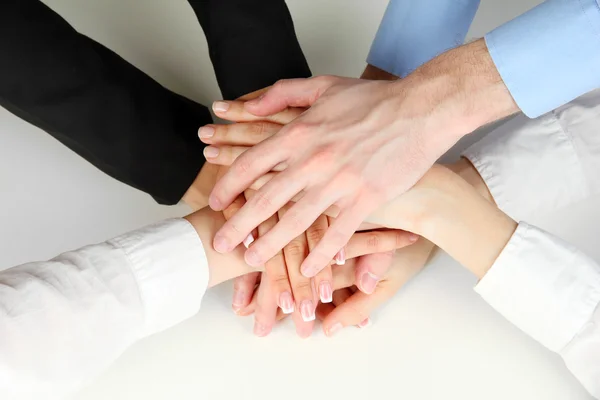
114	115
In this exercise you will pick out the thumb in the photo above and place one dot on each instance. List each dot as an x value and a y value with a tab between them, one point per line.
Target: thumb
290	93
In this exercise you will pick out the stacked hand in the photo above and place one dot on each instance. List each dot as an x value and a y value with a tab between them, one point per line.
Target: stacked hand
283	285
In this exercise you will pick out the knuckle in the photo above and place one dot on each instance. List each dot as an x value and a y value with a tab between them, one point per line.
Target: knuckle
292	221
302	287
242	165
357	312
262	201
373	241
315	234
279	280
295	249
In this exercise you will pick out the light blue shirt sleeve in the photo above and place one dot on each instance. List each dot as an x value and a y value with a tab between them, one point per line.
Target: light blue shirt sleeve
413	32
550	55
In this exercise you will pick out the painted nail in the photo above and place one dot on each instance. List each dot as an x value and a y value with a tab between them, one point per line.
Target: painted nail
366	323
260	330
340	257
286	303
333	329
206	132
252	258
368	282
325	292
211	152
220	106
221	244
238	300
307	310
248	241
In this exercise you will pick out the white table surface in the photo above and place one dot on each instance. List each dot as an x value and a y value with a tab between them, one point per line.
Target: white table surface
436	339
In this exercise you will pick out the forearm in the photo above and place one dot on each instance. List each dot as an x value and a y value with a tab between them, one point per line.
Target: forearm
446	210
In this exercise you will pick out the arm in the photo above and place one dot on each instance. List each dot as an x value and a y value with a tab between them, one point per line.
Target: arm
541	284
65	320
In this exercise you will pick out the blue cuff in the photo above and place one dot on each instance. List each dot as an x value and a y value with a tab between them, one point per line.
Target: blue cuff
413	32
550	55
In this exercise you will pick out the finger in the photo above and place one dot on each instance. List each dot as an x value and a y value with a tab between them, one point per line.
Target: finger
266	310
246	169
336	237
371	268
237	112
323	280
266	202
302	288
355	310
379	241
290	93
239	134
340	296
243	290
226	155
253	95
230	211
323	310
295	222
277	274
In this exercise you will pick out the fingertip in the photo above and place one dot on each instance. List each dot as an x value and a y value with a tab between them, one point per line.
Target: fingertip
215	203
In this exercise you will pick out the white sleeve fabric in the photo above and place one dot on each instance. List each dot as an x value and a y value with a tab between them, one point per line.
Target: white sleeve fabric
537	166
551	291
63	321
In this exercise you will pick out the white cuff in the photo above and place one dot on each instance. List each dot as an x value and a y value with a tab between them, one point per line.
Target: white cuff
534	167
171	270
543	285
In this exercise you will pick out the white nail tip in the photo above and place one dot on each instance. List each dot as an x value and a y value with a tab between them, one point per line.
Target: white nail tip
249	240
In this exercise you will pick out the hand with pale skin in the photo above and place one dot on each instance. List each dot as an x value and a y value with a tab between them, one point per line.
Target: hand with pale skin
294	294
230	140
360	145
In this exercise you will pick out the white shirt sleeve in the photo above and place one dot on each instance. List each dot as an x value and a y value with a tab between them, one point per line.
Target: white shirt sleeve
63	321
560	152
551	291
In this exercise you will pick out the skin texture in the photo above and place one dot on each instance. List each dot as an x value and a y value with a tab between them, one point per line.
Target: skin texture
361	144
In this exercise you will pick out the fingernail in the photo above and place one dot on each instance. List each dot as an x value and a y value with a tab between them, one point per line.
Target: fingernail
221	244
206	132
308	271
368	282
413	238
248	241
211	152
286	303
325	292
238	300
366	323
220	106
333	329
214	203
260	330
307	310
252	258
340	257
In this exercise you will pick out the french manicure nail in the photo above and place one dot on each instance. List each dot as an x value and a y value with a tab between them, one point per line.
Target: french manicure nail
368	282
221	244
325	292
286	303
211	152
307	310
220	106
248	241
334	328
206	132
252	258
340	257
366	323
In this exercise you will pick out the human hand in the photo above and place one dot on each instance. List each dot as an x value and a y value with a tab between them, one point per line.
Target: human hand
359	145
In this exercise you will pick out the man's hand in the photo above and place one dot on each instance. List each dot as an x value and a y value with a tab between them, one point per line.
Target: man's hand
361	144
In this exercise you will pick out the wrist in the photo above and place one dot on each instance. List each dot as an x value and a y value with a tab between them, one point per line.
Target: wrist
196	197
221	267
464	87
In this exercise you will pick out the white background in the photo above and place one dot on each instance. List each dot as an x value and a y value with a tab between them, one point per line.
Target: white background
436	339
